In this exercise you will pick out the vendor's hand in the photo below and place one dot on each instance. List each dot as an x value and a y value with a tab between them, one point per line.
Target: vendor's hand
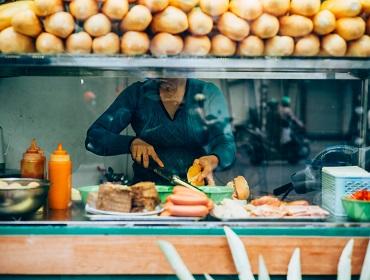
141	151
208	164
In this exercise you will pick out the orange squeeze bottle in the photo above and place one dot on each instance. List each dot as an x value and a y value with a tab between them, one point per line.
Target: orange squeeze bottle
60	177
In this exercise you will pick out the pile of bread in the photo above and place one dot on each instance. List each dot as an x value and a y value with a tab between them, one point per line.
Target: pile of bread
189	27
141	197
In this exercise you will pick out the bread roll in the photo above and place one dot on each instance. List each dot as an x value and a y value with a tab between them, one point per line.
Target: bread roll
241	188
306	8
83	9
171	20
199	22
360	47
164	44
27	23
307	46
279	46
115	9
135	43
214	7
351	28
295	26
324	22
154	5
197	45
266	26
342	8
276	7
49	43
138	18
80	42
222	46
233	26
98	25
14	42
60	24
185	5
247	9
48	7
106	44
334	45
365	6
251	46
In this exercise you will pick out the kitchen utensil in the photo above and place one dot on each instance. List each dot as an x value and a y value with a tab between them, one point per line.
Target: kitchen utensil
2	150
22	200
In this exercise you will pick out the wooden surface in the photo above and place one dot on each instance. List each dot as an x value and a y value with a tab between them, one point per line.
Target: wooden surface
141	255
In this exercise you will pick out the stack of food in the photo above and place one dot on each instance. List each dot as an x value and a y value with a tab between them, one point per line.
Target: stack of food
141	197
190	27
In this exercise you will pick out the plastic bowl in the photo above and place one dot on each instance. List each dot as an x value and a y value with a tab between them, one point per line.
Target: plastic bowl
357	210
164	192
218	193
84	192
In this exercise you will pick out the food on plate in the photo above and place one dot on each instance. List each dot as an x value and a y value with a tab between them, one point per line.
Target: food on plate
14	42
361	195
276	7
334	45
14	185
266	200
138	18
307	46
197	45
113	197
27	23
222	46
83	9
295	26
135	43
214	7
247	9
199	22
60	24
48	7
107	44
171	20
306	8
154	5
8	11
115	9
193	174
92	198
342	8
266	26
279	46
164	44
144	197
324	22
185	5
233	26
351	28
80	42
241	188
360	47
251	46
49	43
98	25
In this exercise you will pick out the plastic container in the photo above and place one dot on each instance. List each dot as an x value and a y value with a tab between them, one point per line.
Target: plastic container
218	193
33	162
60	177
357	210
338	182
164	192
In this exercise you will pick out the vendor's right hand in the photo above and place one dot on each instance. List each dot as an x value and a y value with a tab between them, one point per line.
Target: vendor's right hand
141	151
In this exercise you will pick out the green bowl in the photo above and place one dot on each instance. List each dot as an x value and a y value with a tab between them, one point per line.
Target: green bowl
218	193
357	210
84	192
164	192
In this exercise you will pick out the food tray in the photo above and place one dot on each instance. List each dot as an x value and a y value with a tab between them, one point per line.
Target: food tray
271	219
153	218
92	210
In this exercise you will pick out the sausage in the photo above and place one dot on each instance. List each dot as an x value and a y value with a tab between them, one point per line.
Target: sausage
188	210
179	199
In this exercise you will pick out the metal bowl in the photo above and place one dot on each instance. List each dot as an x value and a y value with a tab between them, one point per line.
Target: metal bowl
22	200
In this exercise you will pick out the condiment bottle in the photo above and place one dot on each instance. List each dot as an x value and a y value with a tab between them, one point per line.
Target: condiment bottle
33	162
60	177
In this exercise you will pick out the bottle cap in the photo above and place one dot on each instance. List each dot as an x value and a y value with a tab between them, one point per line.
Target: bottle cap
33	152
60	154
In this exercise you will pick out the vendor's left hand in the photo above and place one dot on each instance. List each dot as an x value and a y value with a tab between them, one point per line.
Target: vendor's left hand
208	164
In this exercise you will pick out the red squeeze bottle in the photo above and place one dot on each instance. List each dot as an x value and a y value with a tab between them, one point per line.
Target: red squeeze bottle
33	162
60	177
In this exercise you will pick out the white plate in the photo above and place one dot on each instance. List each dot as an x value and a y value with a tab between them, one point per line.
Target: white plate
92	210
140	218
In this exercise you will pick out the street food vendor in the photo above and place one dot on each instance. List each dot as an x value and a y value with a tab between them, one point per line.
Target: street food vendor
176	121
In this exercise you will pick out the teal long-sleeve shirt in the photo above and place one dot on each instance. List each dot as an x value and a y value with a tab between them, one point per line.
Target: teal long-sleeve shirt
199	127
